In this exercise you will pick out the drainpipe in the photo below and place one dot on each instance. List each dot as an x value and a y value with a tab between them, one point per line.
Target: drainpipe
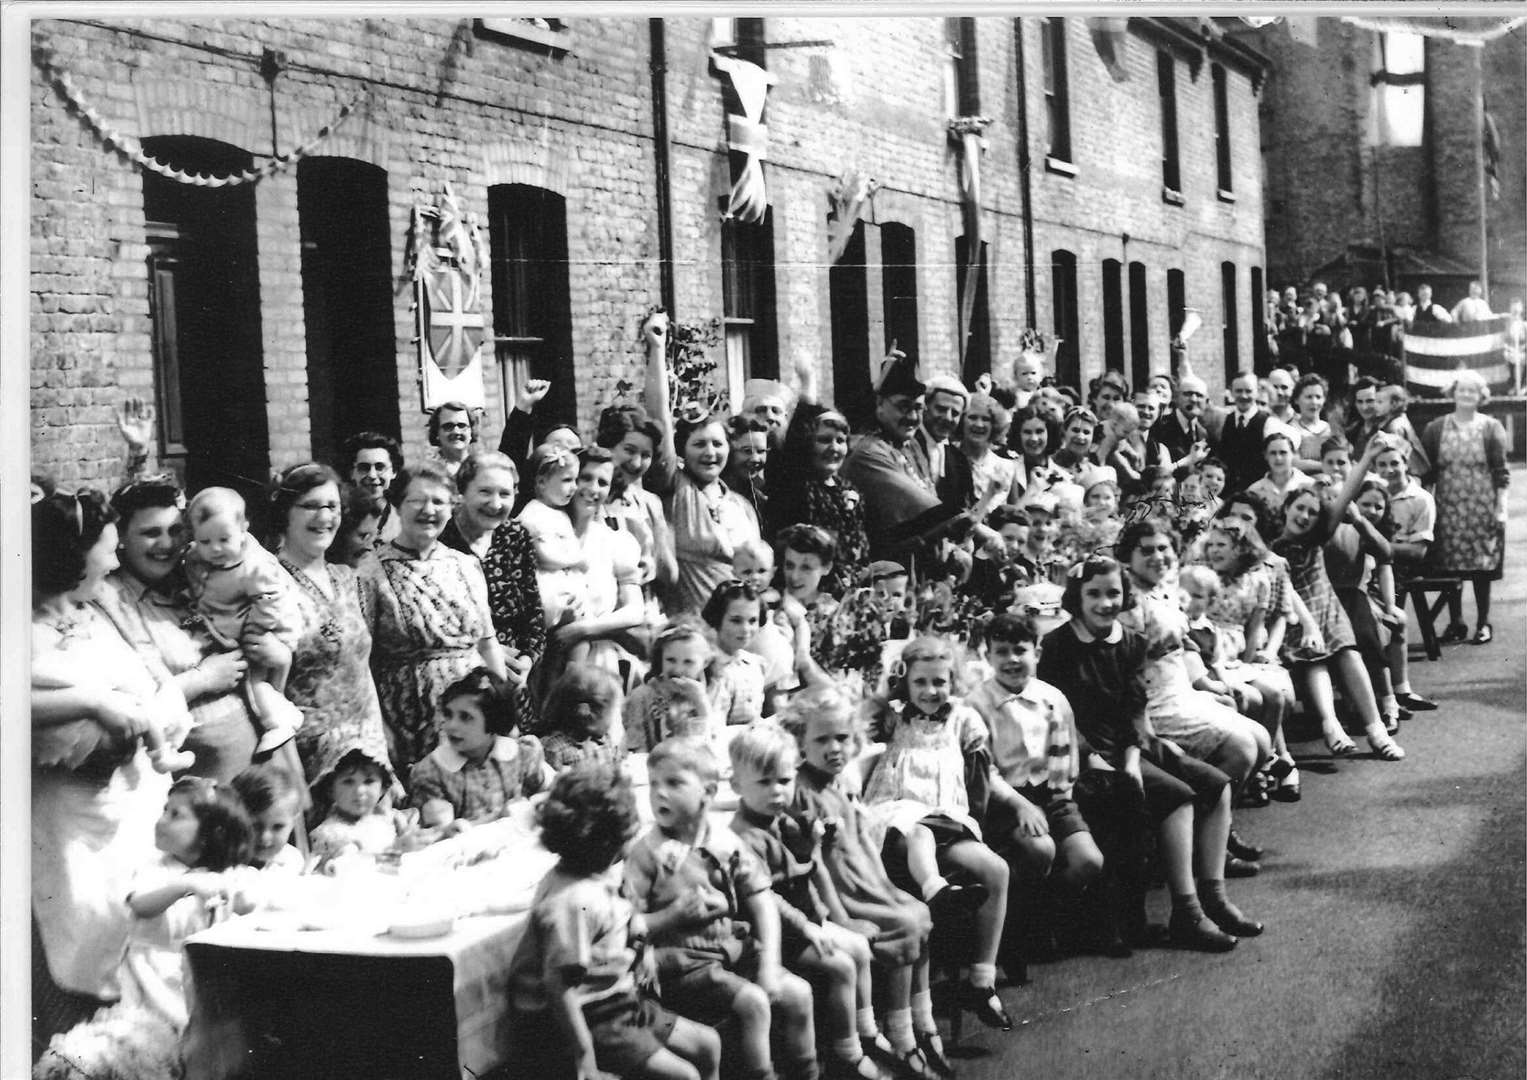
658	66
1024	162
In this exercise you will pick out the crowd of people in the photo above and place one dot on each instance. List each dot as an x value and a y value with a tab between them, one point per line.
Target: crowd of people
910	706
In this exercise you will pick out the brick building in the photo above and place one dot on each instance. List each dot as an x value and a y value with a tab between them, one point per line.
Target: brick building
1142	199
1373	149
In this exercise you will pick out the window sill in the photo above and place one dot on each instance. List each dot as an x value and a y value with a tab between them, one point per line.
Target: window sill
1172	196
1225	196
1056	165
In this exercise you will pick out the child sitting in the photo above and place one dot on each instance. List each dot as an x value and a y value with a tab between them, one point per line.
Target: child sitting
783	641
833	957
580	719
735	611
273	800
238	588
1044	526
680	697
202	833
994	579
560	561
1125	439
857	890
713	921
360	821
918	791
480	767
582	959
1193	511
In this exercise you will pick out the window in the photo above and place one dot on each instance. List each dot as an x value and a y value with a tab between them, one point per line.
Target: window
1057	95
747	296
1139	327
977	344
1232	320
1113	315
848	301
1068	368
898	285
204	306
1171	171
742	38
347	301
1398	115
1221	130
1176	310
1260	355
540	35
532	313
962	87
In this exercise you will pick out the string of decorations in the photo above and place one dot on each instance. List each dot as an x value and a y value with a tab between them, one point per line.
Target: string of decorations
129	146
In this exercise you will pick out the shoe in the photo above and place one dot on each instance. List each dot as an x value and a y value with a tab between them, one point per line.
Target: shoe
1237	867
1405	714
914	1066
1484	634
1231	919
274	739
1415	702
932	1048
1455	633
1338	743
863	1069
1288	788
1241	849
1281	765
1254	794
878	1047
984	1002
953	901
1385	749
1391	724
1199	934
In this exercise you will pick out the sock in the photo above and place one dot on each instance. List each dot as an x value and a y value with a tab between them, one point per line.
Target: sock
933	886
865	1018
848	1050
898	1028
922	1011
1389	705
983	975
1187	908
1400	688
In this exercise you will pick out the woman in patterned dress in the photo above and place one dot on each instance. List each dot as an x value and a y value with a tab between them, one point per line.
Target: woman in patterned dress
331	671
428	609
1469	482
482	526
709	519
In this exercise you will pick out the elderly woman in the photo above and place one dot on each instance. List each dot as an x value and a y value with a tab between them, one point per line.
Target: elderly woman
331	674
481	527
1469	480
429	614
983	437
94	795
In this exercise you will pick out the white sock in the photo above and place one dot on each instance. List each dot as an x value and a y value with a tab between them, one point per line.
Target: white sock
922	1011
1402	688
898	1028
865	1017
1389	705
848	1049
983	975
934	885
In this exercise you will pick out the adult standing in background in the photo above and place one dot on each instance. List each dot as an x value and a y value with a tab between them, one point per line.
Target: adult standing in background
1181	432
371	461
452	434
1474	307
1240	437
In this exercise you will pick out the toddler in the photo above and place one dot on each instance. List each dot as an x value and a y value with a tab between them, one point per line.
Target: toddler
203	833
559	555
856	889
480	767
835	958
582	959
1127	437
237	586
1211	476
580	721
918	790
359	820
783	641
734	612
680	696
273	800
713	921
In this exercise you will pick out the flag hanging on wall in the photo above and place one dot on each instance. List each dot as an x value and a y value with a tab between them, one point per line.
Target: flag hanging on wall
1435	351
446	256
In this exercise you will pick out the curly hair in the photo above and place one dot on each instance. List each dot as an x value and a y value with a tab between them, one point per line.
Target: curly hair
488	695
481	462
833	701
1011	628
808	540
685	627
714	610
473	418
589	817
64	529
160	492
372	440
618	421
294	483
1136	531
1023	416
1253	502
684	427
225	836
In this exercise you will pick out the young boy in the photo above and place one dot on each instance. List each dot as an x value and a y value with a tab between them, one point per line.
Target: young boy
995	580
1044	525
1410	506
834	958
1034	745
1212	475
713	920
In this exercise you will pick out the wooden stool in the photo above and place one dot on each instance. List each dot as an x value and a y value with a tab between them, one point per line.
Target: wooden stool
1447	590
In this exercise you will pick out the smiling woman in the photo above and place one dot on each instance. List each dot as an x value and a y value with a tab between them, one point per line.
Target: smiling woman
709	519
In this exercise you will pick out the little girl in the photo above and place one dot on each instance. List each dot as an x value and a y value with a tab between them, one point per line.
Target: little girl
480	767
582	967
359	820
559	556
236	586
918	791
203	832
734	612
680	696
580	721
858	892
273	801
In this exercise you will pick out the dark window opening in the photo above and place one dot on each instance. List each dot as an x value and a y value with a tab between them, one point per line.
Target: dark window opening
532	313
204	303
1232	328
1057	92
1166	78
1261	356
977	342
1113	315
898	285
1063	301
347	301
961	35
1176	311
747	295
1221	129
848	302
1139	327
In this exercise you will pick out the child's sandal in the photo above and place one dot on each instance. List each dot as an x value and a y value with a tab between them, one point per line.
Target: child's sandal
1385	749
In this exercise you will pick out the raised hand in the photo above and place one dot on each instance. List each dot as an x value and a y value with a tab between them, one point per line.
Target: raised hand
535	391
135	420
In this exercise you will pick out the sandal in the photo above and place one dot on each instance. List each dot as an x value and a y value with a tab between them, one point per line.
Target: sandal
1288	788
1386	749
1484	634
1339	744
1391	723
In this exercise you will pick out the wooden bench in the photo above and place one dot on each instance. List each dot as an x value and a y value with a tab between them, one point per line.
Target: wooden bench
1430	596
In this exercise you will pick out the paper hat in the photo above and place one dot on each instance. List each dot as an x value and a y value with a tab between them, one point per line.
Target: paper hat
1042	501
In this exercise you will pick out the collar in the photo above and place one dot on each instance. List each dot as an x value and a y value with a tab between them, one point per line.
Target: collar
1184	422
504	748
1086	637
1000	695
757	820
1411	490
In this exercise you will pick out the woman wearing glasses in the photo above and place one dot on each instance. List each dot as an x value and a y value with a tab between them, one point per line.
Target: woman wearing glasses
452	434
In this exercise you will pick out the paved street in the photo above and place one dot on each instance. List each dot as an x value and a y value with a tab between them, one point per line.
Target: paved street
1394	901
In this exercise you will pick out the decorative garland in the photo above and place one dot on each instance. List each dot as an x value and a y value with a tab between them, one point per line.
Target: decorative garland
130	148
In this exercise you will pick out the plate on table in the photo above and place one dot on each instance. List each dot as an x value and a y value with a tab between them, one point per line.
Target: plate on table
422	926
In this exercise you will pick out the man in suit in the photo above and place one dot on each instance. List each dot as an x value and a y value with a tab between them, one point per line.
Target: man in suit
1181	432
934	454
1240	437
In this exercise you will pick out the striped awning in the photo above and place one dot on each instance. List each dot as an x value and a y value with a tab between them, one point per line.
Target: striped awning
1435	351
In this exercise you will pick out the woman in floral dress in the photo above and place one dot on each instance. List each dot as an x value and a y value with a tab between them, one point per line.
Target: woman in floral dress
1469	483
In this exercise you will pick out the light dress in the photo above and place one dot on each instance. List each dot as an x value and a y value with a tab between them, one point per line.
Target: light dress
922	772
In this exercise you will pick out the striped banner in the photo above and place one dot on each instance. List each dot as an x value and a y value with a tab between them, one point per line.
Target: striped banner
1435	351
